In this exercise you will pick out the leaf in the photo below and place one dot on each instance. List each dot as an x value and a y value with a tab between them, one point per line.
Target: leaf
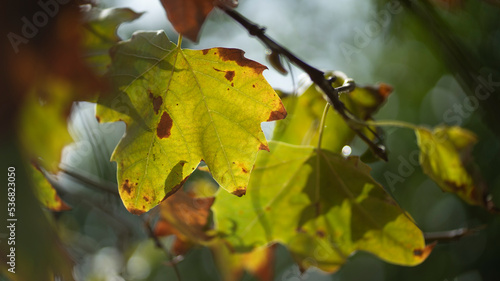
45	75
181	107
259	262
186	215
101	26
445	156
301	127
322	207
46	193
187	16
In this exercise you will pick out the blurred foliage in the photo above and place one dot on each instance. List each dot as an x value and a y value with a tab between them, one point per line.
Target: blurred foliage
436	55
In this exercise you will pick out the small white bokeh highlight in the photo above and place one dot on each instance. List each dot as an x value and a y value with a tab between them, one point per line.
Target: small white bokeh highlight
346	150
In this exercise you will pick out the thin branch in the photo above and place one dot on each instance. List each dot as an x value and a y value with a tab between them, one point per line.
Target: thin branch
160	245
317	76
451	235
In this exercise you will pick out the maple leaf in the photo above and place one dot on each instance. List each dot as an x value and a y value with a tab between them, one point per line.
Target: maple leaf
305	109
187	16
322	207
445	156
182	107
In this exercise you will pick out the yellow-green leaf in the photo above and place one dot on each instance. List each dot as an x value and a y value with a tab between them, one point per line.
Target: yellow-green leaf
41	115
301	127
323	207
445	156
46	193
182	107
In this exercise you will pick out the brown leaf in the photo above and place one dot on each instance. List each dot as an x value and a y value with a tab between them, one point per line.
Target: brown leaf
186	217
187	16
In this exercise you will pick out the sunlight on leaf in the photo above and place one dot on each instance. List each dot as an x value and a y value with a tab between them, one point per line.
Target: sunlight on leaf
445	156
182	107
322	207
301	127
46	193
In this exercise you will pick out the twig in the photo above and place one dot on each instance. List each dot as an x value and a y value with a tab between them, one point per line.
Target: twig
317	76
451	235
160	245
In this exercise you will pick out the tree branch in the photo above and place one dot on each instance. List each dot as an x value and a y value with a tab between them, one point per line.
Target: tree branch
317	77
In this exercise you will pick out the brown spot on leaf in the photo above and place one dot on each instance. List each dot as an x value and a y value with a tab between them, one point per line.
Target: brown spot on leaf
136	211
455	187
145	198
385	90
237	56
157	101
240	191
229	75
232	84
205	51
126	186
300	230
425	252
277	114
164	126
263	147
253	85
320	233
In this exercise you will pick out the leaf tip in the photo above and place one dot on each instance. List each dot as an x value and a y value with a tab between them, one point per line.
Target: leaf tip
422	254
240	191
278	114
264	147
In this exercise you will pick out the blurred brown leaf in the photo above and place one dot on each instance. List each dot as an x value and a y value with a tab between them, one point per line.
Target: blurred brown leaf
187	16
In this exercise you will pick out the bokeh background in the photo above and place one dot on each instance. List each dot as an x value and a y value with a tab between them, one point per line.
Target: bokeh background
434	53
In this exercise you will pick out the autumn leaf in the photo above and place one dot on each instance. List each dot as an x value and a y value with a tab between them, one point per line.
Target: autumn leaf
301	127
187	216
45	192
187	16
322	207
445	156
259	262
184	215
182	107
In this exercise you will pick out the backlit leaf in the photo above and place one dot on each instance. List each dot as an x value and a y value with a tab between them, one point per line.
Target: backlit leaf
186	215
301	127
323	207
46	193
445	156
181	107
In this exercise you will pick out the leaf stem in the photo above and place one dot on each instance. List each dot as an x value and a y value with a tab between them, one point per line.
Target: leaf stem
322	124
388	123
179	41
